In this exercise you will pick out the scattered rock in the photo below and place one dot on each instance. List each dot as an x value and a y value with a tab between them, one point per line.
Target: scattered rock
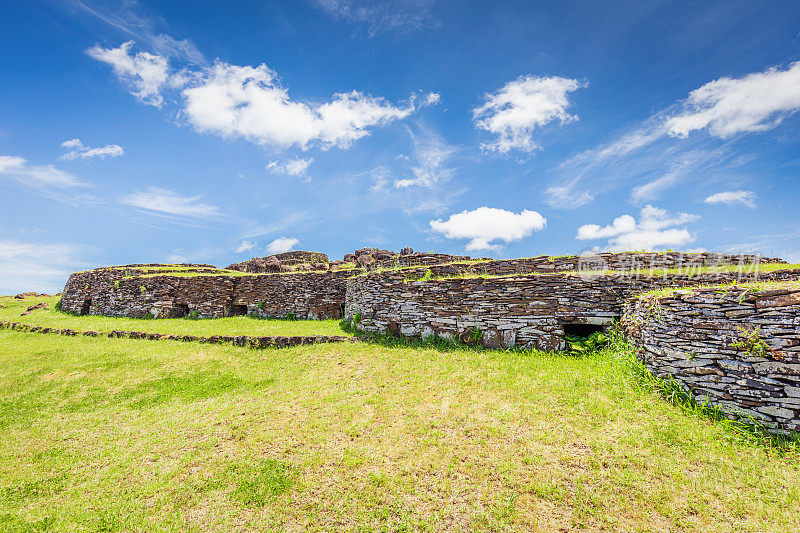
40	305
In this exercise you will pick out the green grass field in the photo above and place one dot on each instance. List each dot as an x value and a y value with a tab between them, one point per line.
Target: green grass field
100	434
11	309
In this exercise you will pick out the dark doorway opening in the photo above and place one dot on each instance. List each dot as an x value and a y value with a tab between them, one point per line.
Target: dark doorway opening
180	310
236	310
581	330
87	305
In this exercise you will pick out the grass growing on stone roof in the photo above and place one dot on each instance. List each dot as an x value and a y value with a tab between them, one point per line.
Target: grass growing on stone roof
101	434
11	309
191	274
750	287
650	272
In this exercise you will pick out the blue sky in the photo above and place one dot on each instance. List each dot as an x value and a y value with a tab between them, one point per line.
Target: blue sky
185	131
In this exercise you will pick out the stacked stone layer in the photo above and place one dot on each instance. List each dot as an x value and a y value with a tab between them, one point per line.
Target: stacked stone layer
122	291
736	348
532	311
629	262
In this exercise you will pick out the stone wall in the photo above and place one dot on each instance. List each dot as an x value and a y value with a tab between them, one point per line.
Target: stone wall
308	296
127	291
630	262
737	348
529	311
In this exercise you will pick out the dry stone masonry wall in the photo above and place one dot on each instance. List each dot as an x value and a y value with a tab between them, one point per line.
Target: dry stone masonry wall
737	348
534	311
132	291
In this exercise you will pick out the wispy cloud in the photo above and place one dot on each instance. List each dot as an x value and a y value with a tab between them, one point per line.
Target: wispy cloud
429	160
245	246
130	18
396	16
160	201
745	198
39	267
723	108
40	176
77	150
296	167
288	221
205	254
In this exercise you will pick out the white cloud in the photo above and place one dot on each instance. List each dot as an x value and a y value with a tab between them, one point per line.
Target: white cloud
250	103
294	167
41	176
431	153
655	229
245	246
522	105
486	224
144	73
399	16
165	202
755	102
77	150
39	267
246	102
432	98
746	198
281	244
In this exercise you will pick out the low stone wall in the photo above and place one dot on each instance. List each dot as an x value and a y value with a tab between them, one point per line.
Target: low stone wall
736	348
534	311
120	291
250	341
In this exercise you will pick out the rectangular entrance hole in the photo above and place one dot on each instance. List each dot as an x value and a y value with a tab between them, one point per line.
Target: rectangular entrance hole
87	305
180	310
236	310
581	330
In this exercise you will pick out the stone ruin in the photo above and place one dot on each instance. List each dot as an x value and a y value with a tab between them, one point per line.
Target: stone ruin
297	284
531	302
